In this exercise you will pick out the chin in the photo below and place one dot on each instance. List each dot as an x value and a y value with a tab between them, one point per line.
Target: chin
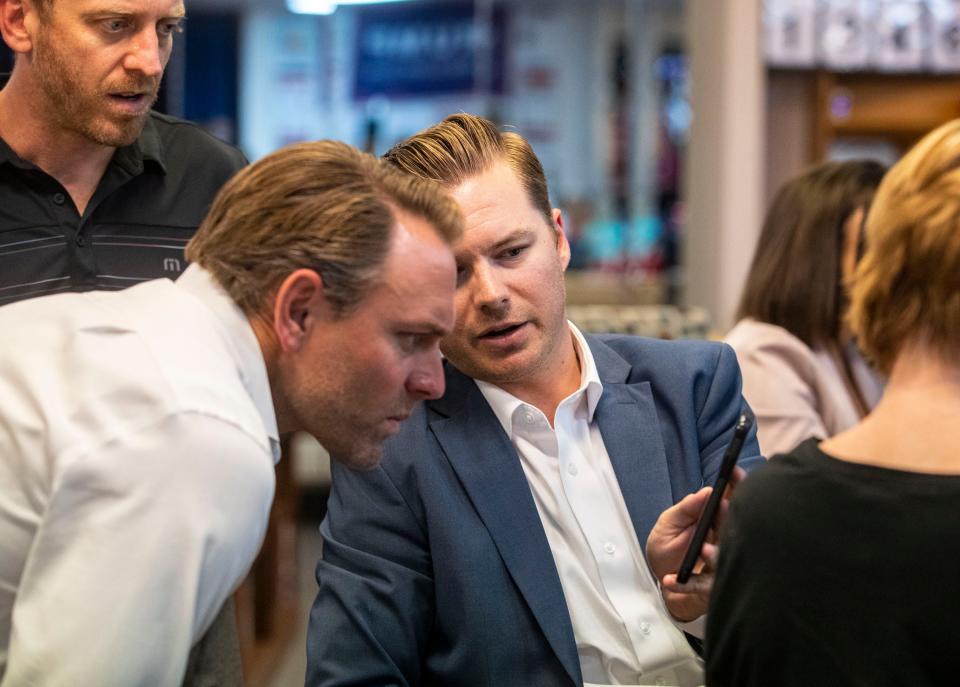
361	454
117	134
362	459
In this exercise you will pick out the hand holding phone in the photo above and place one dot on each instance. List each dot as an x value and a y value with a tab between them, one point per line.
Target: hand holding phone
709	513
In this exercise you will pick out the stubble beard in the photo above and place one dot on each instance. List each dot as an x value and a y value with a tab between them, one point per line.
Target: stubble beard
322	403
82	112
355	447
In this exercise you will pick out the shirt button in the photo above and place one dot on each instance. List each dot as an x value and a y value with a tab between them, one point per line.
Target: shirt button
610	548
59	198
645	628
572	469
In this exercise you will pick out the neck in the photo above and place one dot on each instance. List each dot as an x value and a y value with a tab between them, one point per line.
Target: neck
916	425
69	157
923	384
270	349
553	381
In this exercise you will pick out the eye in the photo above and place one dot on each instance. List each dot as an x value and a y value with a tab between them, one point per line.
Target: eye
413	342
407	342
168	28
513	252
463	273
117	25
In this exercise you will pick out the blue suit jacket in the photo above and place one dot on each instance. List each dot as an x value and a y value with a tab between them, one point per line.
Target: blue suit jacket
436	569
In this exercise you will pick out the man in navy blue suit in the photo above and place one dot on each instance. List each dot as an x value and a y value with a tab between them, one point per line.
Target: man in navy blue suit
501	542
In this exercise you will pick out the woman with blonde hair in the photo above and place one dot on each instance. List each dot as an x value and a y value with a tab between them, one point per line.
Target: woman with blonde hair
840	563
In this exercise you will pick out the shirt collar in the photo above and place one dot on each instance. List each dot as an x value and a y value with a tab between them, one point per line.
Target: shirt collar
505	404
589	376
241	340
7	156
147	148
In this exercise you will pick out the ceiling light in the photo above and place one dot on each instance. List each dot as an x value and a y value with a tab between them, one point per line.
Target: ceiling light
327	6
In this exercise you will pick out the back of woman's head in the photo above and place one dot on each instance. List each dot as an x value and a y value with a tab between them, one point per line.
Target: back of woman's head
907	287
795	280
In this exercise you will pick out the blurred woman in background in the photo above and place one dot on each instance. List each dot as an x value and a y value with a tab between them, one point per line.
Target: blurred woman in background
840	564
802	375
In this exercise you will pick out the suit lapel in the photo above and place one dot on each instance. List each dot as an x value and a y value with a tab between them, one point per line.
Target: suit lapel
490	471
627	417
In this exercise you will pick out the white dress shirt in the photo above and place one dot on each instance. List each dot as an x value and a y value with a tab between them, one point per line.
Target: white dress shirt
624	634
137	446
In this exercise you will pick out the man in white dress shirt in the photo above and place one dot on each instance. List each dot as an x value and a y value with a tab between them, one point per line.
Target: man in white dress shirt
507	547
139	429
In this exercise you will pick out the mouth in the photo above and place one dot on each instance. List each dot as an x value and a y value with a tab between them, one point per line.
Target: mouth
132	101
394	422
501	331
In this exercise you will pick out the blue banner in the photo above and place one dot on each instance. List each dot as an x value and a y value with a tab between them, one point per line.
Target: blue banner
428	49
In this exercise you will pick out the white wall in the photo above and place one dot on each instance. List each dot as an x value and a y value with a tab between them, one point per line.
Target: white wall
725	161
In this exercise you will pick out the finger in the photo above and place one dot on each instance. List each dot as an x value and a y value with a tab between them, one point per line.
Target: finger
697	584
692	505
709	553
674	522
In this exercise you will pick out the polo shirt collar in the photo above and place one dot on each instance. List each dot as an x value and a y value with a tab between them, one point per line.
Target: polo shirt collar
147	148
7	156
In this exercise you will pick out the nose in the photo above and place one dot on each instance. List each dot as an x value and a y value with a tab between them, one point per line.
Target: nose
145	55
426	379
489	291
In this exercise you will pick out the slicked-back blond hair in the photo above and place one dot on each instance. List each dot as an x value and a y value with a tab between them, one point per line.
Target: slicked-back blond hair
324	206
464	145
907	287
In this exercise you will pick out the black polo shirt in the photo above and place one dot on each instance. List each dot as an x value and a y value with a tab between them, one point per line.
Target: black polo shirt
150	201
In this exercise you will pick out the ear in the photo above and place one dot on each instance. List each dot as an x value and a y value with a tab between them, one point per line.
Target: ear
299	302
563	246
17	17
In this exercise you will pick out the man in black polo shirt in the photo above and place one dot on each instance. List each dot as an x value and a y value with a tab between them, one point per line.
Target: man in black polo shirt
96	190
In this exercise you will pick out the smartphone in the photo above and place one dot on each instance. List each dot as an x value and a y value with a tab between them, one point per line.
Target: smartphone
709	513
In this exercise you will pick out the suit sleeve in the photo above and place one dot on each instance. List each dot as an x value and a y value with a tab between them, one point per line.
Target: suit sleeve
719	409
374	605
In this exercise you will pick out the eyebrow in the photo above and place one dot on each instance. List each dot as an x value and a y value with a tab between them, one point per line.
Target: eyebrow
523	233
179	12
516	235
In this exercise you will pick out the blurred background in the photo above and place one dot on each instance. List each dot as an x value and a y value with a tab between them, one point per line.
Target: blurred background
664	127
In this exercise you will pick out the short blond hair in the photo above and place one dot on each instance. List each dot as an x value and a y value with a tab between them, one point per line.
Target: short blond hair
907	287
325	206
464	145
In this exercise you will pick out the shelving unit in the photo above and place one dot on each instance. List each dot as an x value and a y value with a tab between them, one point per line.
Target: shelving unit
899	108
